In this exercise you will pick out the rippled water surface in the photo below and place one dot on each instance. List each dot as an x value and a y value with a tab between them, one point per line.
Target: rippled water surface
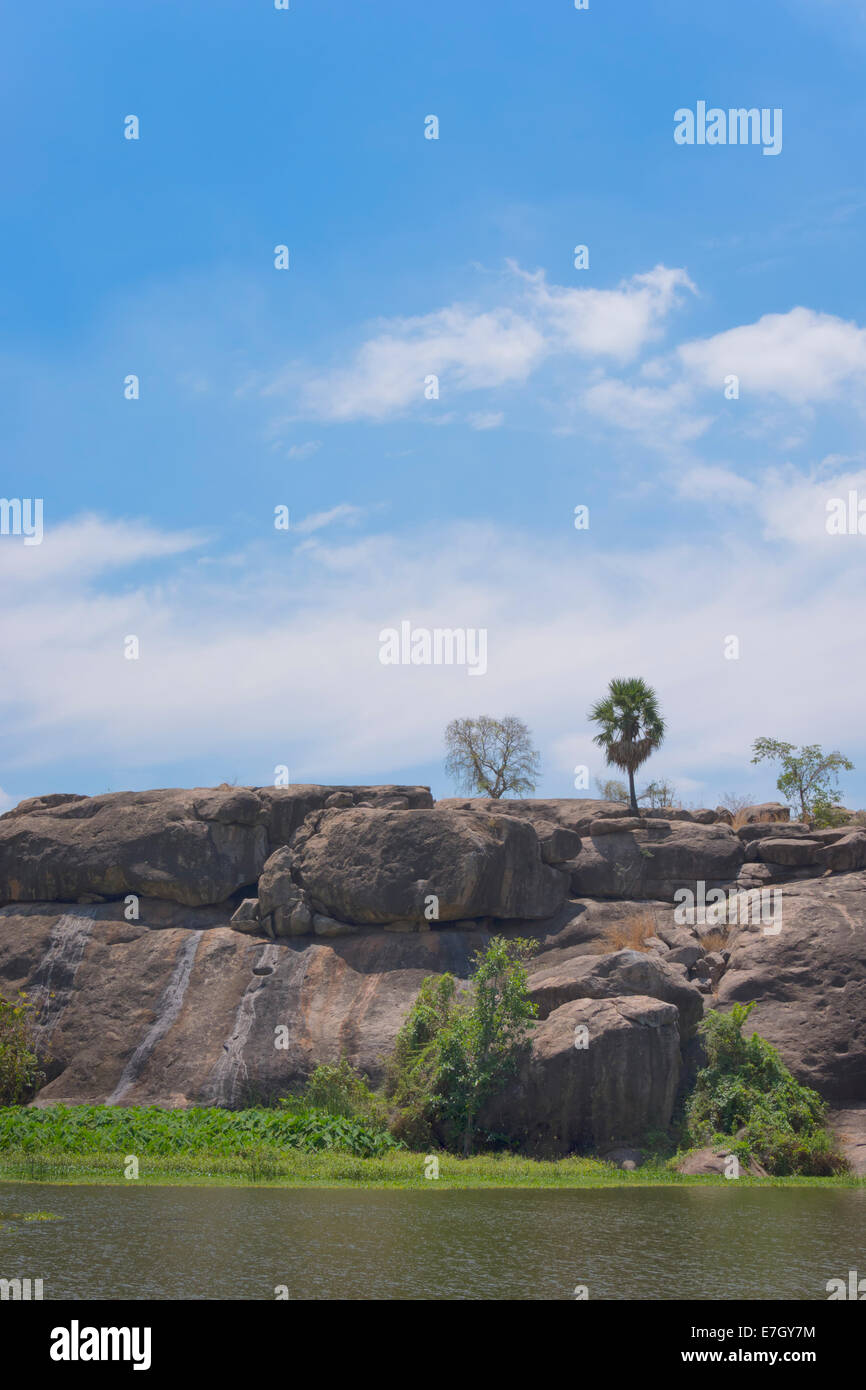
232	1243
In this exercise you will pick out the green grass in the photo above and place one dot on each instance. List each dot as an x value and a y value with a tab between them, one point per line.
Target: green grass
400	1169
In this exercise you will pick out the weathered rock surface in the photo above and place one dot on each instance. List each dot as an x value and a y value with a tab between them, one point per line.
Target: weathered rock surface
576	813
655	861
849	1127
614	975
766	811
383	866
610	1091
193	847
809	981
706	1161
177	1010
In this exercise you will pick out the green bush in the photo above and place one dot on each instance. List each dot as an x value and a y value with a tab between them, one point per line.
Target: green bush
747	1096
456	1050
20	1072
341	1090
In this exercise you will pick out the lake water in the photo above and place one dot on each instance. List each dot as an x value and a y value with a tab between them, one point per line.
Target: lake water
238	1243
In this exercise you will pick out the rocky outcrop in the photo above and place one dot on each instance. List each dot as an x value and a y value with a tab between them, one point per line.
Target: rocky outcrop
576	813
179	1009
599	1072
271	929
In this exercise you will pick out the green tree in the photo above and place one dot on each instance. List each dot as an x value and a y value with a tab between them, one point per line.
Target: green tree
20	1072
456	1049
491	756
808	777
631	727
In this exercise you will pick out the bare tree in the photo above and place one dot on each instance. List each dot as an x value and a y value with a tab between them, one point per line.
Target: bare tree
491	756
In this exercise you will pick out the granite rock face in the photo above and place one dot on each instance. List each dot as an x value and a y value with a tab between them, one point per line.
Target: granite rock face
212	946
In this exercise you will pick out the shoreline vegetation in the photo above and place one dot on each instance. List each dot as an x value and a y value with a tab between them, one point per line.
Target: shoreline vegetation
453	1053
297	1146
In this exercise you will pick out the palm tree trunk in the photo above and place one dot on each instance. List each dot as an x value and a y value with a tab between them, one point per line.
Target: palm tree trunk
631	793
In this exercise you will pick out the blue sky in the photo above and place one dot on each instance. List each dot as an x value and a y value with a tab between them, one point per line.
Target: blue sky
304	388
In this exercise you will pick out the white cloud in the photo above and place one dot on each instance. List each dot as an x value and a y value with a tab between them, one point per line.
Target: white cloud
712	483
658	414
611	323
466	349
802	356
265	662
471	349
90	545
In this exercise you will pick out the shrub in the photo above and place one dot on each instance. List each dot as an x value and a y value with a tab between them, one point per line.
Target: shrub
341	1090
20	1072
456	1050
747	1094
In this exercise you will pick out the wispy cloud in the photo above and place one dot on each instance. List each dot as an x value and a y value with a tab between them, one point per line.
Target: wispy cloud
317	521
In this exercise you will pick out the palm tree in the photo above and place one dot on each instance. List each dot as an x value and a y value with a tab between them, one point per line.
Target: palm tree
631	726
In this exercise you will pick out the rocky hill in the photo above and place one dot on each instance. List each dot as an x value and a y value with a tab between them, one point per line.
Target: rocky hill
212	946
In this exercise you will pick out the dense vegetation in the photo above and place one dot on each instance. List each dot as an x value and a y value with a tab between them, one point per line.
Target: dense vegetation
747	1099
457	1049
151	1131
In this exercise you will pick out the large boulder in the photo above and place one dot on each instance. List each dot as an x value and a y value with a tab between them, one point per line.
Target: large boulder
843	854
769	830
368	866
794	853
288	807
809	981
653	862
618	973
598	1072
193	847
766	811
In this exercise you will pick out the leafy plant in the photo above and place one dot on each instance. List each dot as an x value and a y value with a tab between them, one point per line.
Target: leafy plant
341	1090
151	1130
748	1095
808	777
456	1050
20	1071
